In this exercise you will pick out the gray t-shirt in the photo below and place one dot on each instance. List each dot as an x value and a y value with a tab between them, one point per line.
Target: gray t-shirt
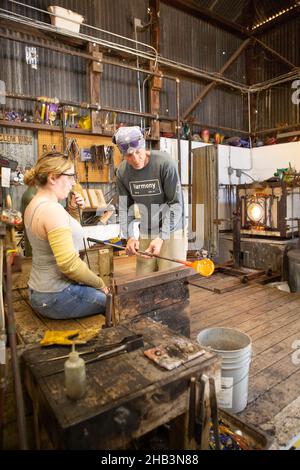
156	189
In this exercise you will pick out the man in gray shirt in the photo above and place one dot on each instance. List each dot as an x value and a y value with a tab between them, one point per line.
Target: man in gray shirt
150	180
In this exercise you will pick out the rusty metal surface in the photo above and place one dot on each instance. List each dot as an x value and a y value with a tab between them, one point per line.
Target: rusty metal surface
185	39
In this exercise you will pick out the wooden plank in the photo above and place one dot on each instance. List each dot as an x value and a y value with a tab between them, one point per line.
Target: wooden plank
277	323
272	355
151	280
270	377
211	316
249	318
150	299
246	322
105	265
266	341
273	401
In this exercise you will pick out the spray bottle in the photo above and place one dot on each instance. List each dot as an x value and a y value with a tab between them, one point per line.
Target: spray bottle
75	375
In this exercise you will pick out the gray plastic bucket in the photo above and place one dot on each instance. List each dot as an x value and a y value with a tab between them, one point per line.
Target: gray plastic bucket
235	349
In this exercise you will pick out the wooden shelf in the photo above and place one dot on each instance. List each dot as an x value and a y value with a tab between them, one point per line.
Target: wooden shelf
47	127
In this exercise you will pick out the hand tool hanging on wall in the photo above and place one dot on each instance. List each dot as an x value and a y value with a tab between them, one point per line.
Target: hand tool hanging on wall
205	266
93	150
109	160
97	157
100	157
73	149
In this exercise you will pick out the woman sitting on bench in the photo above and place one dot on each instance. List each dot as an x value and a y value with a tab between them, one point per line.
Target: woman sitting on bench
61	286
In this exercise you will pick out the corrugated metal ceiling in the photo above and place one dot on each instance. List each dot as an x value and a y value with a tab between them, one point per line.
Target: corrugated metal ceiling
237	11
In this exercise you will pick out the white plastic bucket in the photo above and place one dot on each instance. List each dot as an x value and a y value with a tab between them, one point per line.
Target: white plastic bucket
235	349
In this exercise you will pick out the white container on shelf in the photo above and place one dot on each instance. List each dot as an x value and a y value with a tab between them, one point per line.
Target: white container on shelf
70	21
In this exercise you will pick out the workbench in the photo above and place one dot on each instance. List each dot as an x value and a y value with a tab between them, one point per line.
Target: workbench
127	395
163	296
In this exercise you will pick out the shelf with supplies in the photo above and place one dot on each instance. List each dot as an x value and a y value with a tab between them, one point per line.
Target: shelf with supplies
47	127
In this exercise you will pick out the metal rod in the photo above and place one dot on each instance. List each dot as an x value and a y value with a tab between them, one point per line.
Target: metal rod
83	239
190	187
178	125
143	253
237	241
11	327
214	126
63	128
276	129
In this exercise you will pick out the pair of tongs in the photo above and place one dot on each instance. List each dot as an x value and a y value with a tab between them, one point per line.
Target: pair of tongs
103	348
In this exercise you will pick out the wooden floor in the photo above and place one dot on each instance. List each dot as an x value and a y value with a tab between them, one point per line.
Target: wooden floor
272	319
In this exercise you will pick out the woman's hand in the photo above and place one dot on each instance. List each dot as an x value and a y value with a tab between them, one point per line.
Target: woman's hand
76	200
105	289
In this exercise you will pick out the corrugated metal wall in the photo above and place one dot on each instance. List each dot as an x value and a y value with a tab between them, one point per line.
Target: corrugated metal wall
188	40
275	106
184	38
57	74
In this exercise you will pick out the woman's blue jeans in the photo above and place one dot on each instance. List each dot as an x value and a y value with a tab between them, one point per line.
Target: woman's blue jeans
74	301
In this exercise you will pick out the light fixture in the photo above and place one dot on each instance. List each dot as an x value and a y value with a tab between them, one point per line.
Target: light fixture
255	212
276	15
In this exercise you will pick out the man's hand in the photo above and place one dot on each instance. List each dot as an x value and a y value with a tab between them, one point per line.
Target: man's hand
155	246
132	246
76	200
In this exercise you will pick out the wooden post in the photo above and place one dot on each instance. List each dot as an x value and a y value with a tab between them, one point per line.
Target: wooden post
105	261
156	82
95	69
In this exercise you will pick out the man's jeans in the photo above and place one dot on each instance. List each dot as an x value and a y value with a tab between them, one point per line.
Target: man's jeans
74	301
